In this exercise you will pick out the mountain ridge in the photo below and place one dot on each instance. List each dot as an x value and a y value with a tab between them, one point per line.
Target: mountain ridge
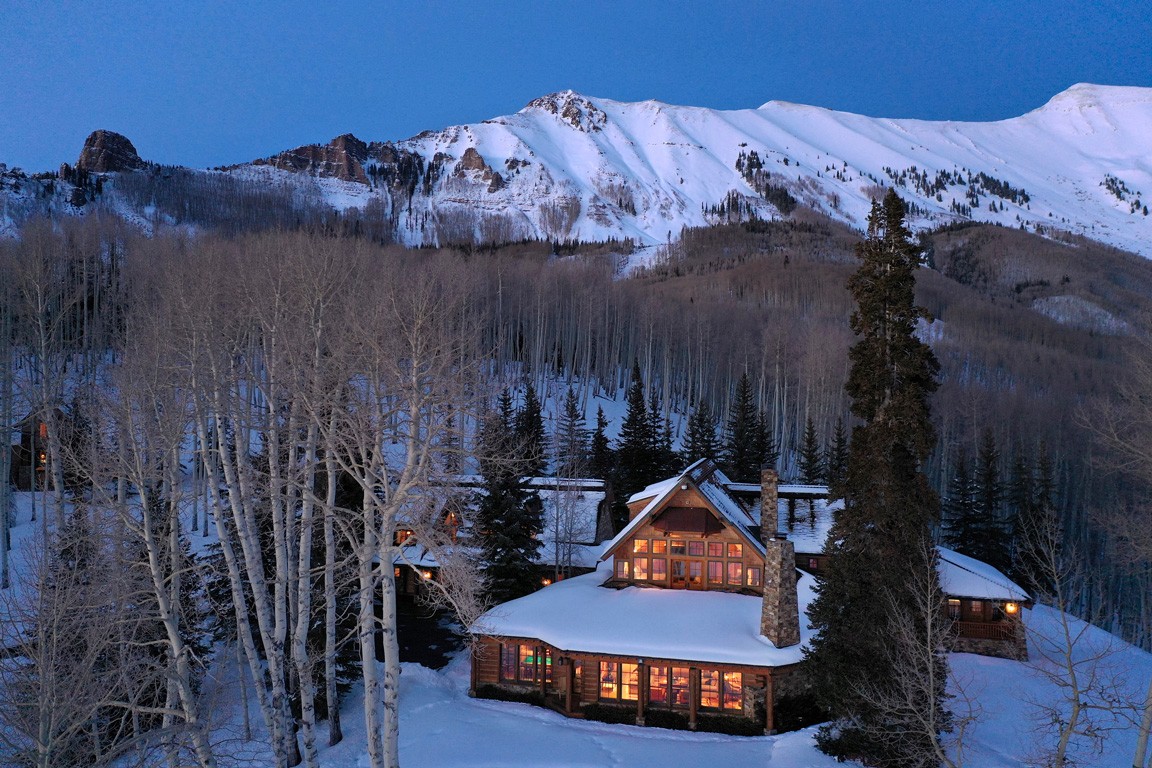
568	166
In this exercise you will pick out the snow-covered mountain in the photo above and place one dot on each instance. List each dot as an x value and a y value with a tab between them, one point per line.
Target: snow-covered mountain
569	167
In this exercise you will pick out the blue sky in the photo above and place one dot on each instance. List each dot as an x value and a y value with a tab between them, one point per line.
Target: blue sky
209	83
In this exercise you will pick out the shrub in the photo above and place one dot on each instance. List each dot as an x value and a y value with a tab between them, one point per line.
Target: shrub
607	713
506	694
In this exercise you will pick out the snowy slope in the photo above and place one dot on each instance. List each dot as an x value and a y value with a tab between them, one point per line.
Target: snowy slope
569	166
1080	163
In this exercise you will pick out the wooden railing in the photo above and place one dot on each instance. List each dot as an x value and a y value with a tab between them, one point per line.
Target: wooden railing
978	630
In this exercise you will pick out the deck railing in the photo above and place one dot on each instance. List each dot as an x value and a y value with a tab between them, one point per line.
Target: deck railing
979	630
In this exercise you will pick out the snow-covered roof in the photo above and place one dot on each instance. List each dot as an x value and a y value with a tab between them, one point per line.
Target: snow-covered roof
711	482
963	576
579	615
808	528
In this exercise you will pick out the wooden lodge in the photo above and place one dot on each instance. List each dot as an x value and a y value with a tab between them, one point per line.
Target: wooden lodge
693	618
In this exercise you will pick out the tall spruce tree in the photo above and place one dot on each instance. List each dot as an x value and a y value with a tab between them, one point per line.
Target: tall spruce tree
529	427
811	457
746	443
508	517
875	569
701	442
836	462
601	459
959	508
571	439
993	542
635	468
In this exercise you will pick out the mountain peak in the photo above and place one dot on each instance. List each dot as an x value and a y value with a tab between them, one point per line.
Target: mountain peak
571	107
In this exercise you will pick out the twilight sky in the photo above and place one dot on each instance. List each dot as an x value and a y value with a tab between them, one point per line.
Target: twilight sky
203	83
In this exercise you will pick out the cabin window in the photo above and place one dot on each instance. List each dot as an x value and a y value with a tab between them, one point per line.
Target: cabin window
715	549
735	573
696	549
659	547
954	609
640	546
710	688
813	564
679	547
753	577
658	685
609	679
735	550
695	573
622	569
640	568
507	662
527	663
402	536
679	687
659	569
976	607
715	572
733	697
619	681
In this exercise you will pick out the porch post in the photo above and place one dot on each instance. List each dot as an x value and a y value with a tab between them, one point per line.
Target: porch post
693	696
641	691
541	670
769	705
570	676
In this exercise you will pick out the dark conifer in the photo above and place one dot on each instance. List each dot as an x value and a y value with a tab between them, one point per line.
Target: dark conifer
875	564
959	508
836	464
508	517
602	459
701	442
529	428
571	439
634	464
811	457
746	442
991	538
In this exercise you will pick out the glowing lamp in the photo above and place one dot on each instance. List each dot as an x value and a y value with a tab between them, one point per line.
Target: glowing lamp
546	582
1011	608
426	574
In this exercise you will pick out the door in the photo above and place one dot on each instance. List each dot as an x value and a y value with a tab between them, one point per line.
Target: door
679	574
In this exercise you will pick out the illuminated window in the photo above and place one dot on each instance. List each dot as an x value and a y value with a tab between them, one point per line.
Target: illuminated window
735	550
507	661
527	663
640	545
715	572
813	564
659	569
954	608
695	573
640	568
659	546
678	687
710	688
976	607
753	577
609	679
658	685
402	536
622	569
696	548
735	573
733	697
679	548
715	549
630	681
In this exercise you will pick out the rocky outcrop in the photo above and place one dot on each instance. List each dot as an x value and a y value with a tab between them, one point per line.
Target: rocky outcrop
473	161
342	158
572	108
108	152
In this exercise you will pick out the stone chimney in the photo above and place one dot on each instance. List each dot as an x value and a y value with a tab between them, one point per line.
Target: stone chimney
780	613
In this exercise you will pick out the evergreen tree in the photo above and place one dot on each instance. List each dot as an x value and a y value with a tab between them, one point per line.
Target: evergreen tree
875	571
746	442
1038	517
836	463
509	519
701	442
811	457
766	453
602	459
665	461
571	439
1018	503
992	545
635	468
529	429
960	506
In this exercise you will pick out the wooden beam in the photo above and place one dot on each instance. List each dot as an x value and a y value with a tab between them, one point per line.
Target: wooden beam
769	705
693	696
641	691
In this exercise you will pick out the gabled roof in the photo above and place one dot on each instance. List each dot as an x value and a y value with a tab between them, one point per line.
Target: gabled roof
964	576
711	482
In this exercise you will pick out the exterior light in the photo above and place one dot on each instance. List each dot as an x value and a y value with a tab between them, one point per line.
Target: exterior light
546	582
426	574
1011	608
